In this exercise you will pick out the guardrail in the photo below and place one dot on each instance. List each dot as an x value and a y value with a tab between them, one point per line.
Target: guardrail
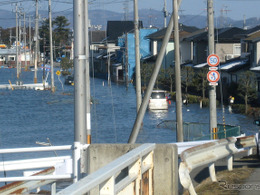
138	179
208	153
56	168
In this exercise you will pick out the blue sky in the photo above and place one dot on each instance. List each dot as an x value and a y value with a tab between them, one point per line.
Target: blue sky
235	9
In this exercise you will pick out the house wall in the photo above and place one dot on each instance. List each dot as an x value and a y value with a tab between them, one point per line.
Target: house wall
185	50
169	54
226	51
257	54
145	49
200	52
154	48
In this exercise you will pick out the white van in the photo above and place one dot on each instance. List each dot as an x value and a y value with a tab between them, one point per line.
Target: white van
158	100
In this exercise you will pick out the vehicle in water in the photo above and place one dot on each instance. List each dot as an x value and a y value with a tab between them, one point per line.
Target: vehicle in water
69	80
158	100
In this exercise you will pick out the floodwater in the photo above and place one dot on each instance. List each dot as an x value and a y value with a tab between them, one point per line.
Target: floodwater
27	116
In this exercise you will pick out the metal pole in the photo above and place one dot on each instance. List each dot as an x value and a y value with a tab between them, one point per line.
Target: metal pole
165	14
88	98
24	39
137	58
211	46
142	110
51	49
16	39
36	42
79	75
20	48
30	39
177	74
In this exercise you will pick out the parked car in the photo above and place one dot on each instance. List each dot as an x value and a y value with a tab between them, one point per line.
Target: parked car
158	100
69	80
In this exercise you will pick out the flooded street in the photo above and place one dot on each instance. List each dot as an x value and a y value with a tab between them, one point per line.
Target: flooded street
28	116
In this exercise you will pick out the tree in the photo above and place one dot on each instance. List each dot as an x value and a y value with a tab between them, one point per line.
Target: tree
247	88
169	77
146	73
61	31
66	64
200	81
44	33
187	79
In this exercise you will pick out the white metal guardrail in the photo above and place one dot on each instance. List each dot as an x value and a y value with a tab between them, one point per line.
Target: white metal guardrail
208	153
62	167
139	177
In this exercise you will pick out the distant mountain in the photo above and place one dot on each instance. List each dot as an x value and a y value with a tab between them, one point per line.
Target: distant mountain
150	17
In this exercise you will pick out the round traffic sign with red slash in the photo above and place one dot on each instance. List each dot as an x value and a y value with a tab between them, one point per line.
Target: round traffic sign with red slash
213	76
213	60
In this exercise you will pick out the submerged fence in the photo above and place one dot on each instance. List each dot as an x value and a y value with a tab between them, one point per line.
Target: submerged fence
193	131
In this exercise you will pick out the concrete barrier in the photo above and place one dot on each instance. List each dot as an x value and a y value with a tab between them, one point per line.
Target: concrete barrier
165	163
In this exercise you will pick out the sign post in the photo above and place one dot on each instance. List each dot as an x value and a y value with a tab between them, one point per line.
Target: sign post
213	75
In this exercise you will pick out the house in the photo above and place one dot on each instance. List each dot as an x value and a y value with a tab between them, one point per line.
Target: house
116	29
185	46
127	53
115	55
227	44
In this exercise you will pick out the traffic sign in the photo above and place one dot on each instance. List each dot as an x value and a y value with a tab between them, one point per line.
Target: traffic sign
213	76
58	72
213	60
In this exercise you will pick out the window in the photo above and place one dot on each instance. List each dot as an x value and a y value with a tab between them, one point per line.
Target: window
237	49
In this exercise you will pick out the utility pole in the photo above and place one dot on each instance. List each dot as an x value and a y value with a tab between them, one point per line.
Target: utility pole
211	46
24	40
51	49
126	61
142	110
79	78
16	40
19	40
88	97
177	74
165	14
10	39
36	41
137	58
30	40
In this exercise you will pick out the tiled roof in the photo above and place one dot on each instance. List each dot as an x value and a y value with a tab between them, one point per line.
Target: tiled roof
184	31
116	29
221	35
254	37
